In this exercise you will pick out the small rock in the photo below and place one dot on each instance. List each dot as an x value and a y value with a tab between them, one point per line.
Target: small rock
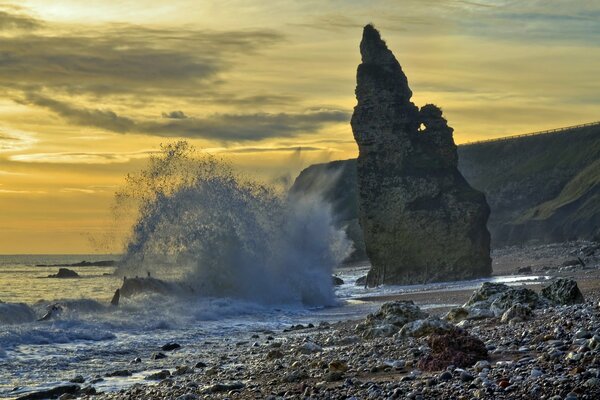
170	347
158	376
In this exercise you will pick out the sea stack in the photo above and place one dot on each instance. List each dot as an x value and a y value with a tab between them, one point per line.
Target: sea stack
422	221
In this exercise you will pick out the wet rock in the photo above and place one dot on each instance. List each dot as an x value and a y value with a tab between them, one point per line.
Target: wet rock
564	292
337	281
517	313
456	348
425	327
78	379
123	372
200	364
158	376
158	356
170	346
64	273
51	393
420	218
390	318
187	396
183	370
362	281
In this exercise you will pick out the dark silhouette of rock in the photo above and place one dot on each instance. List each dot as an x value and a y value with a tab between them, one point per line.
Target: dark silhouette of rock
52	393
116	297
170	346
421	220
337	281
64	273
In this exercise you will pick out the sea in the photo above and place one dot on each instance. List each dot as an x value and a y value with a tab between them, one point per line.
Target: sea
91	338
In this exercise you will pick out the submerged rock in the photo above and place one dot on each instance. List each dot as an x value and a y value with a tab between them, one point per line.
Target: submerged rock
64	273
337	281
564	292
51	393
421	220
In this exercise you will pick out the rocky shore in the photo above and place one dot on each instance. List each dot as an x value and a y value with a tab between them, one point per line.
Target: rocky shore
517	342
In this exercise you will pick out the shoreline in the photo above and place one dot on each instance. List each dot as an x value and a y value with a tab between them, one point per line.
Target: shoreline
275	364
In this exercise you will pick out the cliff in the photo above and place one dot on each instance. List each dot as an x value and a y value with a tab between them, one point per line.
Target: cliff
541	188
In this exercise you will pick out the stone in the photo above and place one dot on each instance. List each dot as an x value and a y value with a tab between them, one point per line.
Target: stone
64	273
338	366
51	393
337	281
457	314
563	291
456	348
170	346
159	376
421	220
486	294
123	372
309	348
426	327
78	379
158	356
517	313
390	318
362	281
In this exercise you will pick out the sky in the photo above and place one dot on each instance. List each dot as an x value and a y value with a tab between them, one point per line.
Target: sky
88	90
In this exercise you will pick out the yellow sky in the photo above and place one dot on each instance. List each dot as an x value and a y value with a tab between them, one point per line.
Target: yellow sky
89	89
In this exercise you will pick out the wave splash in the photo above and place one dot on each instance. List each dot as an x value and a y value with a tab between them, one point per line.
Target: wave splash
223	235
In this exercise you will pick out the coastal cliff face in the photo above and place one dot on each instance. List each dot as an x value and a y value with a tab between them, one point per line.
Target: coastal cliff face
420	218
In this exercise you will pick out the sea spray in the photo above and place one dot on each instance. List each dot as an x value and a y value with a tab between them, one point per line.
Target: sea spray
201	224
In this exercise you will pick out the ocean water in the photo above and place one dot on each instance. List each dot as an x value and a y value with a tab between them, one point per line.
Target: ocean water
91	338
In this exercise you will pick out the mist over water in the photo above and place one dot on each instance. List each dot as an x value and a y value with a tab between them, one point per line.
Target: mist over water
223	235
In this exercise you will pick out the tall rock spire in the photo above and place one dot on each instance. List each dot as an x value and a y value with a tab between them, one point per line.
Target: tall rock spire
421	220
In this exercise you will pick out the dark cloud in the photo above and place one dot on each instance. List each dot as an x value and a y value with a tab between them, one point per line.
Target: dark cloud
105	119
245	150
224	127
120	59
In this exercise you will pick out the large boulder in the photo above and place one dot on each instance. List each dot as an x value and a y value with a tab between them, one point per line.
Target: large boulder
390	318
456	347
563	292
421	220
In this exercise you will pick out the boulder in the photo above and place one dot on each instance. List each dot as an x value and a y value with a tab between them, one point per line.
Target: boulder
517	313
426	327
456	348
486	294
514	296
563	292
64	273
421	220
390	318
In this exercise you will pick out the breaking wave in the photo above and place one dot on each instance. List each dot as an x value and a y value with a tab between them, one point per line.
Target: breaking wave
225	235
